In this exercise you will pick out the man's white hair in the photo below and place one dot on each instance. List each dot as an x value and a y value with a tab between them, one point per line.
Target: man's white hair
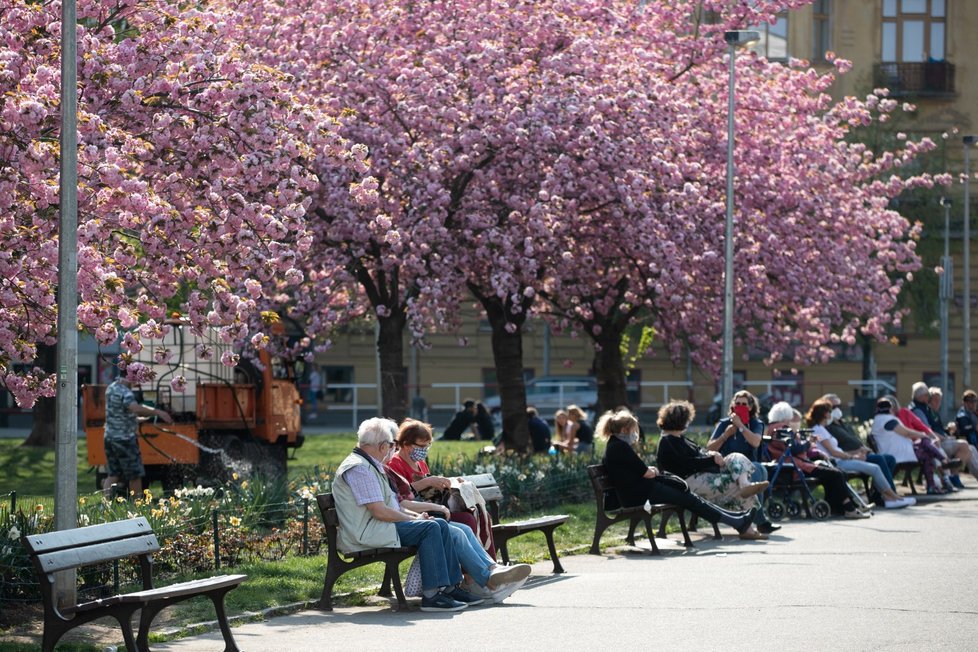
919	389
375	431
935	391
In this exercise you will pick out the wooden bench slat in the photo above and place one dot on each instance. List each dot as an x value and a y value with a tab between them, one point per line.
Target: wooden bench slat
491	493
531	524
89	535
97	553
193	587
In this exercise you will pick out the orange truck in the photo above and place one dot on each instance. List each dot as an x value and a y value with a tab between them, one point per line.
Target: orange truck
227	420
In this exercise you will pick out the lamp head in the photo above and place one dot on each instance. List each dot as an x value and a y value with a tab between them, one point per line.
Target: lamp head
946	202
741	37
970	140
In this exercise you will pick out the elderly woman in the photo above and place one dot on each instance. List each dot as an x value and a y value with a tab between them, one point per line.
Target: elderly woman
636	482
724	480
408	470
818	417
782	417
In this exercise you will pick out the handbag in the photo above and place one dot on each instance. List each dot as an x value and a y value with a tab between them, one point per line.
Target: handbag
672	480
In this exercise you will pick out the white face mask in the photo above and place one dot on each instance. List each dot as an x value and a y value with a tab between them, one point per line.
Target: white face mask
836	414
631	438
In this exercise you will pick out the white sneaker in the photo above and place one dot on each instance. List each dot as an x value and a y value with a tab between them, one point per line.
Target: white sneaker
910	500
506	590
895	504
501	575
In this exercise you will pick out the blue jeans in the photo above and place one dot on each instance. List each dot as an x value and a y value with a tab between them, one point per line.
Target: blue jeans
872	470
471	555
887	463
436	551
759	475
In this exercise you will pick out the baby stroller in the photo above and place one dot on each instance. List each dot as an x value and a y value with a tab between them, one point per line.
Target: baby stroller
789	492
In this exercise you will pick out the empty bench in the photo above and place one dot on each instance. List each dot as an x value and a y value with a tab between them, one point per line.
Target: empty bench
70	549
606	494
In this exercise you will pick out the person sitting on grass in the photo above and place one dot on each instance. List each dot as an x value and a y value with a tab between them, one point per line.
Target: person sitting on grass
637	483
371	516
724	480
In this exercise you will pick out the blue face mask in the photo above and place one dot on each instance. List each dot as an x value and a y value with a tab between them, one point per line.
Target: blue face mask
418	453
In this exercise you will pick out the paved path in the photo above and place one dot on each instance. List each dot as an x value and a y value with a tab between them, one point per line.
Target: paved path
903	580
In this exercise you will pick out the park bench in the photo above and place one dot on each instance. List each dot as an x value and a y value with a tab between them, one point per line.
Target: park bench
605	493
339	563
503	532
908	468
96	544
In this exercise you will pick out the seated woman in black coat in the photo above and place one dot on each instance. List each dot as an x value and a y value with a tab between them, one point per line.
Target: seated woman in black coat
637	482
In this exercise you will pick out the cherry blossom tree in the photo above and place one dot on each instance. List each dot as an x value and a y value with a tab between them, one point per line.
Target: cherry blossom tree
810	202
469	111
195	172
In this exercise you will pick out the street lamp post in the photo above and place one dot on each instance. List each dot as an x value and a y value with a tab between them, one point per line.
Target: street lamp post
733	39
946	293
966	263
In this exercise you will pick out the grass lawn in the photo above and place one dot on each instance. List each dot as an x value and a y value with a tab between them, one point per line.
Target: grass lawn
30	471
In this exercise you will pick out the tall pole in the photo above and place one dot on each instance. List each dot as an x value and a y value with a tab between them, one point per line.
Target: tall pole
966	262
728	250
733	39
66	402
946	292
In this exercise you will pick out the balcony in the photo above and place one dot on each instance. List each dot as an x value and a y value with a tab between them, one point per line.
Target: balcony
930	79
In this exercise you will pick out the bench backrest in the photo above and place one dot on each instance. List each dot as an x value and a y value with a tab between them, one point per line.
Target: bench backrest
491	493
602	485
66	549
327	508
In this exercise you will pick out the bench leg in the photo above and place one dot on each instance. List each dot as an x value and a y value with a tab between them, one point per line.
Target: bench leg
385	586
549	533
132	643
502	546
326	599
600	526
395	576
647	520
222	619
681	515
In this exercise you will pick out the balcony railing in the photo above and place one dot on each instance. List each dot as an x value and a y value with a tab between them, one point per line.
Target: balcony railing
930	79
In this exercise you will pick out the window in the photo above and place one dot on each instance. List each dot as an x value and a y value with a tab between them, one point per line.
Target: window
338	375
913	31
821	29
774	38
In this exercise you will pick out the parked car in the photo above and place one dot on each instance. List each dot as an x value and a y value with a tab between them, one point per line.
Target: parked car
551	393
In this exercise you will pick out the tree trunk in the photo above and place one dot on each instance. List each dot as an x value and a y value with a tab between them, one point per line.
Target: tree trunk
609	369
42	433
390	348
869	366
507	353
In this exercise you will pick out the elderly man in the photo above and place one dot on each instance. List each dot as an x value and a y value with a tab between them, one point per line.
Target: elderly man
371	516
927	405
